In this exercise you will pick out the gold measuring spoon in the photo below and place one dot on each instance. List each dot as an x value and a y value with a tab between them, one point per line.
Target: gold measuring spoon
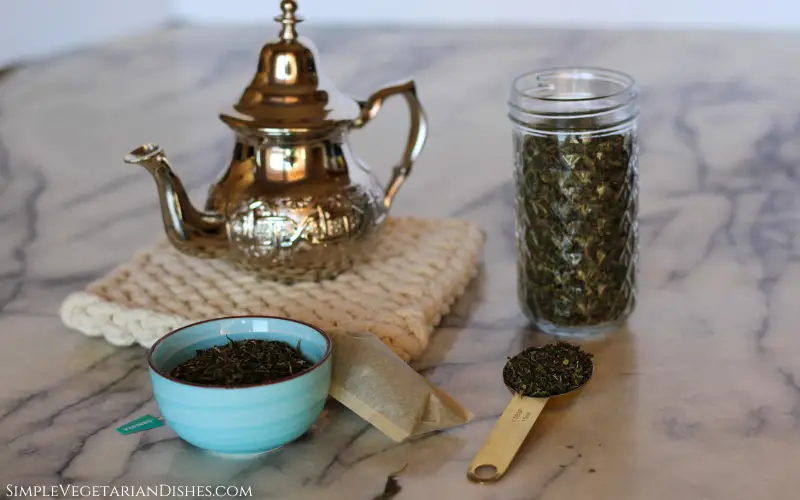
510	431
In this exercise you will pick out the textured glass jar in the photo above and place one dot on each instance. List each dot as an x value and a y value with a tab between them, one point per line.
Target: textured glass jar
576	176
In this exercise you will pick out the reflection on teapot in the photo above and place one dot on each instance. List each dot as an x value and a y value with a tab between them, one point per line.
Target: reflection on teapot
294	203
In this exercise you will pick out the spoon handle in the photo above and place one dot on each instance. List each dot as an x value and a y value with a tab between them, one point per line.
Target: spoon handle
510	431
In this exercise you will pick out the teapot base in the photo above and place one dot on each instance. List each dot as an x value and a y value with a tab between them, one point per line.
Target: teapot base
308	263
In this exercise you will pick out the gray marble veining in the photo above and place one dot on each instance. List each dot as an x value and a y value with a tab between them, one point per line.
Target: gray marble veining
699	398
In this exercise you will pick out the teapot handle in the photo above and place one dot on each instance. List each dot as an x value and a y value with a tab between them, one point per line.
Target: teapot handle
417	135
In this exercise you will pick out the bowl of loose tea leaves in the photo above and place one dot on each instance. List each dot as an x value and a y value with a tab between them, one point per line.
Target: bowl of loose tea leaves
241	385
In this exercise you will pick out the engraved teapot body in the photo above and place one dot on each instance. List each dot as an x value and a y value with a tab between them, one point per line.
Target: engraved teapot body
294	204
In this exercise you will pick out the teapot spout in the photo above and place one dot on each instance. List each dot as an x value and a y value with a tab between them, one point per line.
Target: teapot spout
190	231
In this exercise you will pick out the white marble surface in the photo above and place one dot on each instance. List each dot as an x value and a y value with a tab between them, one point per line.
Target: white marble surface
699	399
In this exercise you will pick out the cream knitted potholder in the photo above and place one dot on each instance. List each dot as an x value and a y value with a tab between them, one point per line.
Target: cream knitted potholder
417	270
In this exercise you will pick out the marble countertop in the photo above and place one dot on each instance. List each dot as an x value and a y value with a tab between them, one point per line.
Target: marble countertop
699	398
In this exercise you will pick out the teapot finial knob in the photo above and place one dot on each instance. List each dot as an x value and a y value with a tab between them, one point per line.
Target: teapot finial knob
288	19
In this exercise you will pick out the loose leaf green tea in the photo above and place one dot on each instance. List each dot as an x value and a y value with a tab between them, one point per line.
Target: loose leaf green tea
392	487
577	208
243	362
549	370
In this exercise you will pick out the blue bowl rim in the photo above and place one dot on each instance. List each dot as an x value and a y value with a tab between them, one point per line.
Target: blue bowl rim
328	349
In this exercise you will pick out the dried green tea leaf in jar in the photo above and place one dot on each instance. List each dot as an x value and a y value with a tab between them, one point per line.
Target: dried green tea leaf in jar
577	210
576	175
549	370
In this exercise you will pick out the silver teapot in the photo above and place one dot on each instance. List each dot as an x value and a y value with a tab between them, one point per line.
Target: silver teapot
294	204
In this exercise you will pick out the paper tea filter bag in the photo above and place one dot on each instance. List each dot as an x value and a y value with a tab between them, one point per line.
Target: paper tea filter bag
384	390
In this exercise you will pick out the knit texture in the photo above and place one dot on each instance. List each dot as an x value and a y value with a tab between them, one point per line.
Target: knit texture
399	292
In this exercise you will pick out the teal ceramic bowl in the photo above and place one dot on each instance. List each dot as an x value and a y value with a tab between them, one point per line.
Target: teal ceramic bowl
241	420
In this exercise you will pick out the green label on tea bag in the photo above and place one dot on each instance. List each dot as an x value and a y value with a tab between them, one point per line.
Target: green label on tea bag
144	423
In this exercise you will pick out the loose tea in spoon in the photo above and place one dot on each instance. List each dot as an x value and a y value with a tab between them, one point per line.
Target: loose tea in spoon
549	370
536	375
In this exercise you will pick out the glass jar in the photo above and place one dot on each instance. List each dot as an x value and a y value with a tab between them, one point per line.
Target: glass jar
576	176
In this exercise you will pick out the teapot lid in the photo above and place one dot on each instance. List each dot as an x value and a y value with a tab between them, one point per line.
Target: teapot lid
288	90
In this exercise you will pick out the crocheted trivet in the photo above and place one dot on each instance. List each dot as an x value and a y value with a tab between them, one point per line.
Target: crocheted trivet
417	270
